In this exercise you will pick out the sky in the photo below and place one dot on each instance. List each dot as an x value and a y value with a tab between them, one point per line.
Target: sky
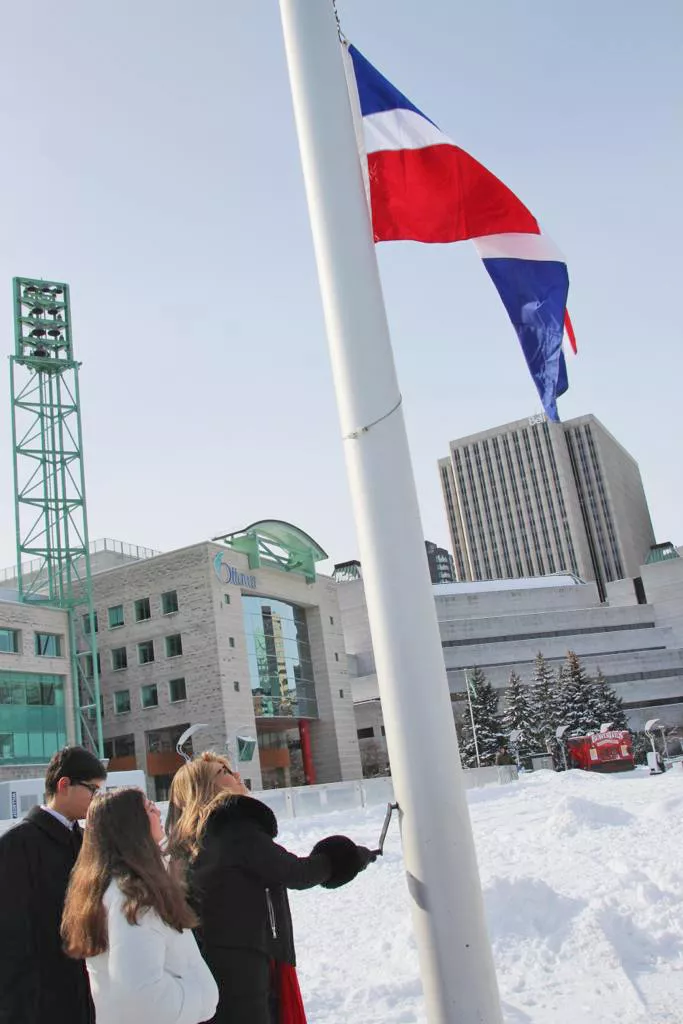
151	162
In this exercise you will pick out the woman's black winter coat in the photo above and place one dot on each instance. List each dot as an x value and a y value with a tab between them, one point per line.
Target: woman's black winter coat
238	883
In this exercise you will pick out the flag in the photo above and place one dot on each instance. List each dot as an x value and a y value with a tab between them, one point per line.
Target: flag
425	188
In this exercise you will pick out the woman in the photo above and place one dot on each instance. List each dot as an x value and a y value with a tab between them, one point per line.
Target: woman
222	839
130	920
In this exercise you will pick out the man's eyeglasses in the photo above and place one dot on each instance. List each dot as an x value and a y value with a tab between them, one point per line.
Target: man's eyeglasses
94	790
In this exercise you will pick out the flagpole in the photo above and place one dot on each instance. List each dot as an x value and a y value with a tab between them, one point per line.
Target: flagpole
474	728
456	963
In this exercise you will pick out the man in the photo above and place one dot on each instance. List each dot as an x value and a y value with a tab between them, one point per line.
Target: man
38	983
505	762
504	757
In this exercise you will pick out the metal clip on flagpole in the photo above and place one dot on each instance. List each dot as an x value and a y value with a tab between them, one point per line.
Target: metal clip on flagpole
438	849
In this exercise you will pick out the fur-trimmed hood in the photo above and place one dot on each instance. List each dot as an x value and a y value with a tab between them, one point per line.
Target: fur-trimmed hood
241	809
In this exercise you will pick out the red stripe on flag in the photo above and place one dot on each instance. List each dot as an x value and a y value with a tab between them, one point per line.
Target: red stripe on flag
440	194
569	328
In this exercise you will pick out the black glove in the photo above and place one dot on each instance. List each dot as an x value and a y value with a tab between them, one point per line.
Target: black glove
346	859
365	856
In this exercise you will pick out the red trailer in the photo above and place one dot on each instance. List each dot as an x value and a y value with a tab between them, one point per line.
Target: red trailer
601	751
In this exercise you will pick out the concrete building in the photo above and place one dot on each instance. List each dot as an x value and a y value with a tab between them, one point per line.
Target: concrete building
441	564
501	625
532	497
243	637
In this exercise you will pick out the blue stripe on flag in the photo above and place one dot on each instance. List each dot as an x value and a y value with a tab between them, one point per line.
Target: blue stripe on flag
534	292
375	92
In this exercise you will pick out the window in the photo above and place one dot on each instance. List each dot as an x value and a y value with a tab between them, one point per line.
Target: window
279	656
145	652
48	645
87	663
115	616
176	690
9	641
149	696
86	623
120	746
236	686
33	718
382	730
33	694
341	694
124	746
226	598
336	656
366	734
169	602
121	701
119	658
142	610
332	620
174	646
231	641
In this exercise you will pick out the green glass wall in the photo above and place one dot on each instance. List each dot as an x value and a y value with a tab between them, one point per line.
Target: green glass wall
32	717
279	655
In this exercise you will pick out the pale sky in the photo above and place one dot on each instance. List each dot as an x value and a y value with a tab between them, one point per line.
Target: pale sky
150	160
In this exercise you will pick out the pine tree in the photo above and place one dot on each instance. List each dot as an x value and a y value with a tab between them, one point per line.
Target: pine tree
520	715
577	705
545	697
609	707
484	701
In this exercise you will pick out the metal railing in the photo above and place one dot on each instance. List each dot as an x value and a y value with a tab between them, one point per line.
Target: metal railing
132	551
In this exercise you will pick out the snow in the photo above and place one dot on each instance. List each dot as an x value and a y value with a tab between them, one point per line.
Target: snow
583	885
558	579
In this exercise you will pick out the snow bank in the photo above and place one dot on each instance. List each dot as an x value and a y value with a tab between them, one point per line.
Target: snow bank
583	883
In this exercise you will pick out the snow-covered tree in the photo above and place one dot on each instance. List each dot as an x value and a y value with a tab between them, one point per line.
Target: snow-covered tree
576	697
608	706
520	715
484	702
545	697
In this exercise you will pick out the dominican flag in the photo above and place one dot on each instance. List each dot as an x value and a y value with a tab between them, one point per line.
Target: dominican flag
425	188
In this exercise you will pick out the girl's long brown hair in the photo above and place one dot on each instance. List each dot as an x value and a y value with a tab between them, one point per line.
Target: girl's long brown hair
118	846
193	797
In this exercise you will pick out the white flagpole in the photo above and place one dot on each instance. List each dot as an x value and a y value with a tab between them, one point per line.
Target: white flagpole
455	954
474	728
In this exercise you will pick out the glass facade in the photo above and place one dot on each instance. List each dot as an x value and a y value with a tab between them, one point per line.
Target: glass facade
279	654
32	717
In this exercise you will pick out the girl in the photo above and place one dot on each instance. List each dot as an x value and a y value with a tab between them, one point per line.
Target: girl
222	839
129	919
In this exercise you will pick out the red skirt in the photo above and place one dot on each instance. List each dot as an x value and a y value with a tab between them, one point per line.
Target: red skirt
291	1005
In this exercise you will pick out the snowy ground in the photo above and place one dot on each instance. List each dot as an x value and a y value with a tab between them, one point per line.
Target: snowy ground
583	882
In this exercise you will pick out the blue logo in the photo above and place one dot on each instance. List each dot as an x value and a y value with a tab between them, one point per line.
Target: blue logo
229	574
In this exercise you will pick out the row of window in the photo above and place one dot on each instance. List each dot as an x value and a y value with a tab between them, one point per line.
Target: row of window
173	647
45	645
368	732
149	696
31	689
158	741
142	611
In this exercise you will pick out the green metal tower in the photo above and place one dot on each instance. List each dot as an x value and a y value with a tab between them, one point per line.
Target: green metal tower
53	555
